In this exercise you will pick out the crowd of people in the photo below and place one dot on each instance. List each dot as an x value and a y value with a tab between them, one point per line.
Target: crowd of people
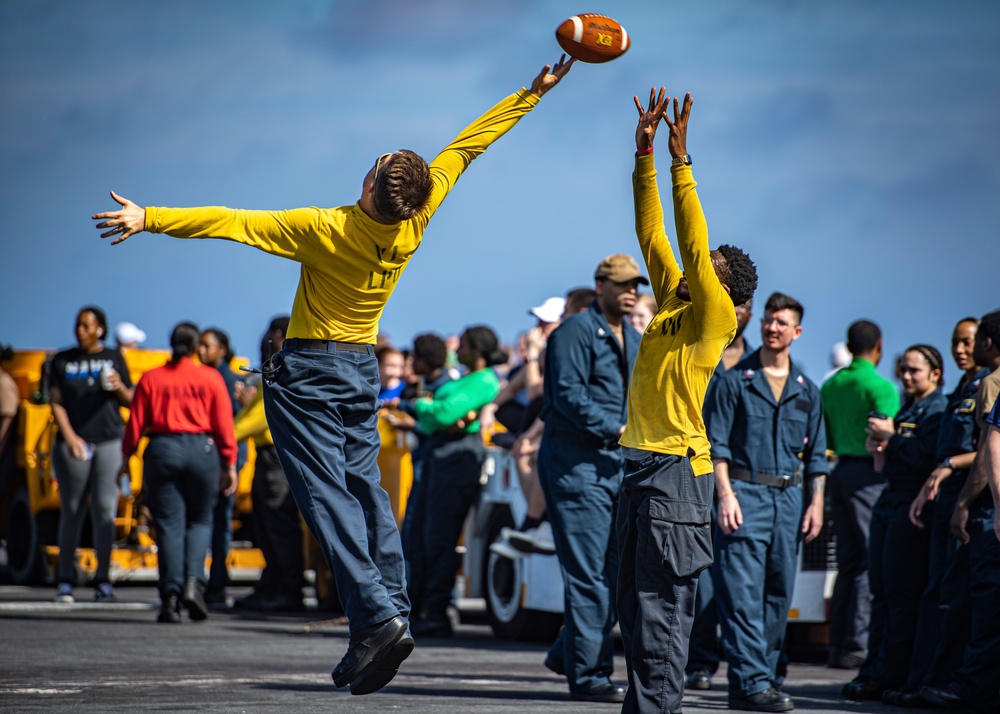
673	470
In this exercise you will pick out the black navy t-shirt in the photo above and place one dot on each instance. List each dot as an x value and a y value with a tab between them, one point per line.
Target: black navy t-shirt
93	412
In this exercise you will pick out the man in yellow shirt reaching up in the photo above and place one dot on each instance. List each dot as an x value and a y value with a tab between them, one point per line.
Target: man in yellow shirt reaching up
664	511
321	390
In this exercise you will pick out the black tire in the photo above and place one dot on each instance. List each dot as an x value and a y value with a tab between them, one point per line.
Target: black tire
25	560
502	588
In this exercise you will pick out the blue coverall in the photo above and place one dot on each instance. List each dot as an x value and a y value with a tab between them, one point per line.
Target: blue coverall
754	570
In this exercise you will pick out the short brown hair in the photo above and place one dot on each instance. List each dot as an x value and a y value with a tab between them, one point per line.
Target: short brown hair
403	187
780	301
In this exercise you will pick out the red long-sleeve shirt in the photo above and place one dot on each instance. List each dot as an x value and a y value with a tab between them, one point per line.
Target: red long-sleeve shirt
182	398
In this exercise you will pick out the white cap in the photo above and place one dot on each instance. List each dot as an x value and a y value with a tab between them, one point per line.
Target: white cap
840	356
549	311
127	334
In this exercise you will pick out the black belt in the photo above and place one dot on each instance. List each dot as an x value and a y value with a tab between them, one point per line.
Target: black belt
326	345
781	482
583	438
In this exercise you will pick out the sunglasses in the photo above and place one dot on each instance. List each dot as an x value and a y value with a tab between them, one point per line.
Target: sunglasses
378	165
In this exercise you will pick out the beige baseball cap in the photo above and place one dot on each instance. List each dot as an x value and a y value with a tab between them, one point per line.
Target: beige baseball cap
620	268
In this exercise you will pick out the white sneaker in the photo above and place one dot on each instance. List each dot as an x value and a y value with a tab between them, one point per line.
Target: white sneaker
534	540
64	593
502	547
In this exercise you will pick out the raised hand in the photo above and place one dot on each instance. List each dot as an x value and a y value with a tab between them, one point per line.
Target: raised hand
128	221
679	126
550	76
649	118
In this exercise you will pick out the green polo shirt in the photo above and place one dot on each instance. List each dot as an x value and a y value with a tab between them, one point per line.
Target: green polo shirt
848	397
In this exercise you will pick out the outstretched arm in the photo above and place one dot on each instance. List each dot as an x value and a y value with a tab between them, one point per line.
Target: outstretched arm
664	273
550	76
128	221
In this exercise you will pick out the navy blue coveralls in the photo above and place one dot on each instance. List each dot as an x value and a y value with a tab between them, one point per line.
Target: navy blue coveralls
977	681
944	610
769	444
580	469
898	550
704	648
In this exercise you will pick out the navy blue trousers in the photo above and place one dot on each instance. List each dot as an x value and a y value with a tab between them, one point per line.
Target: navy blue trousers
665	540
754	575
897	567
450	485
978	679
322	410
581	485
945	622
180	476
277	529
705	649
852	490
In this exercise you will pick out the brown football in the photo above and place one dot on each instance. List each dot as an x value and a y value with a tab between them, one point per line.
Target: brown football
592	38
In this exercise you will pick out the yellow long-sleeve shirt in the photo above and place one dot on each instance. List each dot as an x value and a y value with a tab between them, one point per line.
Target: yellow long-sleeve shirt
350	262
251	423
685	340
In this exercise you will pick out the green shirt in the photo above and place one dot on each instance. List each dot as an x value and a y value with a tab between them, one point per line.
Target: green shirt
453	400
848	397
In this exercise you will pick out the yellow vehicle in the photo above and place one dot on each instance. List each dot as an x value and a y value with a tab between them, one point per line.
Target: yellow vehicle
29	504
29	499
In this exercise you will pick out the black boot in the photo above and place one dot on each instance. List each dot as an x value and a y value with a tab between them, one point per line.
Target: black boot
194	599
170	609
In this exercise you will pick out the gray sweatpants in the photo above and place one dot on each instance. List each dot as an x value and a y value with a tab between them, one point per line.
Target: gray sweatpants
77	480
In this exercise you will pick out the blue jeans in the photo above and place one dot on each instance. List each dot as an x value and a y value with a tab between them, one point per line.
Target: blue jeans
180	478
581	485
322	409
754	576
665	541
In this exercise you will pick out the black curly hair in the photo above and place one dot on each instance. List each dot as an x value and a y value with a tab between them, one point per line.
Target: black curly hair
741	274
989	326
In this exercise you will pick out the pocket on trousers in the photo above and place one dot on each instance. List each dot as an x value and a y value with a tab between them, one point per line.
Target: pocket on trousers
678	536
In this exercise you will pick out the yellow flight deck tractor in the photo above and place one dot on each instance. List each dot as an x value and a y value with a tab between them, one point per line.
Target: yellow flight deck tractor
29	494
29	500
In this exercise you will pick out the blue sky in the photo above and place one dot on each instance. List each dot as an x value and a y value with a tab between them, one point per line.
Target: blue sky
852	148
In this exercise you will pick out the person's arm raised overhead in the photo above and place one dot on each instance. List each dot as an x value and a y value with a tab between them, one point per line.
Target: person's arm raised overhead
664	272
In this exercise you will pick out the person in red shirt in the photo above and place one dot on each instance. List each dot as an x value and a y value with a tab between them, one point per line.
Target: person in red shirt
185	410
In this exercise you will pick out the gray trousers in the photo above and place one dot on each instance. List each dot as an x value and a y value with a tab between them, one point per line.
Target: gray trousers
77	480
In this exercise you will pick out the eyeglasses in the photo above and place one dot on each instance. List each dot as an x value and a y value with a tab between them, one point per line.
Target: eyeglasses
378	165
782	324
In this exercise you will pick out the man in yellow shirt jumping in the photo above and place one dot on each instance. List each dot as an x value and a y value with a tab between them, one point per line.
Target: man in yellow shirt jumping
664	510
321	390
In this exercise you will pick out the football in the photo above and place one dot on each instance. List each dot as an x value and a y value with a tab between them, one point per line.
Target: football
592	38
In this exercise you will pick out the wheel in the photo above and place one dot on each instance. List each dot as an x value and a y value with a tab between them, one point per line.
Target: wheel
502	578
25	561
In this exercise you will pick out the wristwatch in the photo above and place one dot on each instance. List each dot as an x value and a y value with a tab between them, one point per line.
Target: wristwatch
947	462
678	160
